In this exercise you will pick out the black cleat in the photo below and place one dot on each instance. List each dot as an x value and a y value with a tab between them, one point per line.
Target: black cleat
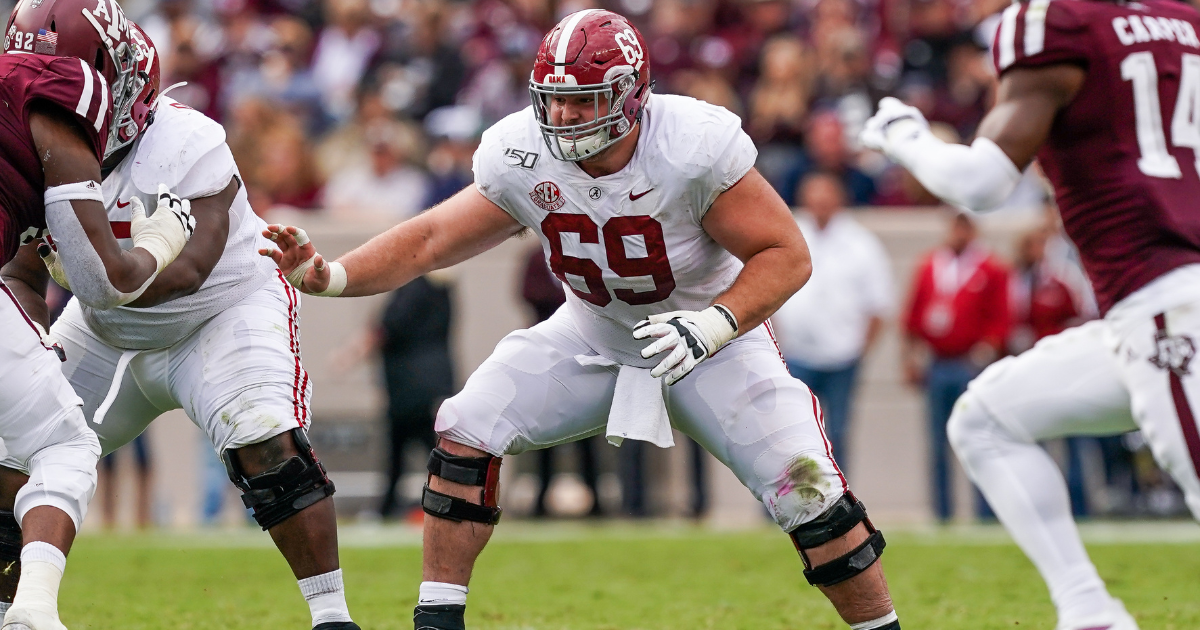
337	625
440	617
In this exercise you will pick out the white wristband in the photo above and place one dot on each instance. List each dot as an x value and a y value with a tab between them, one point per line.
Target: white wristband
337	280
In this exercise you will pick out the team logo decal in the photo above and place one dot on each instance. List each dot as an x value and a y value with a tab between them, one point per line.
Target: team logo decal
1174	352
520	159
547	196
595	193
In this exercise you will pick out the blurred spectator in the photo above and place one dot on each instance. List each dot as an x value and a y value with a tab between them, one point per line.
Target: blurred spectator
544	294
829	325
418	372
779	101
1045	299
390	184
956	324
344	48
282	76
454	132
143	483
826	150
967	94
275	157
417	71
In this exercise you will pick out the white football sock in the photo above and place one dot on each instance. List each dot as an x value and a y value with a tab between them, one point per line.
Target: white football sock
326	597
42	566
1027	491
442	593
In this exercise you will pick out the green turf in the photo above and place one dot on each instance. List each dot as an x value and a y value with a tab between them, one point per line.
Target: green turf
621	578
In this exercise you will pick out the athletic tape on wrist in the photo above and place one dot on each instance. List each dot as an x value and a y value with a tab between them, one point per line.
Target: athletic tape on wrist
337	278
88	191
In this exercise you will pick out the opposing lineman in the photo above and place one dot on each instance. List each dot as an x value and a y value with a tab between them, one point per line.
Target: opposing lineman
1085	86
216	333
65	103
672	248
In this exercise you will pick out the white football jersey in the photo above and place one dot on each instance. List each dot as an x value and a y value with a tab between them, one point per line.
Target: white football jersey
626	245
185	150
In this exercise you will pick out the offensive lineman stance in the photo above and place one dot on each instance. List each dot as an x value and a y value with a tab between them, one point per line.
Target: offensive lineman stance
65	100
1086	86
224	344
649	211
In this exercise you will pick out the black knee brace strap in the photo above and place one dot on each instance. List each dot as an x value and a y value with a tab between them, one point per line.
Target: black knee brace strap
287	488
834	523
468	471
10	539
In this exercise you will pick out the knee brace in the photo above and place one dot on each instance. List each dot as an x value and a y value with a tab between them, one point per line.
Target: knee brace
834	523
468	471
287	488
10	541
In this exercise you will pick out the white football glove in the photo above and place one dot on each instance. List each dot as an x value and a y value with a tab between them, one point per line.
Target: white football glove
49	255
688	337
894	123
165	232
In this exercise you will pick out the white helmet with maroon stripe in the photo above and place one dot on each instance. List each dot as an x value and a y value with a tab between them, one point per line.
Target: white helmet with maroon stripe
591	52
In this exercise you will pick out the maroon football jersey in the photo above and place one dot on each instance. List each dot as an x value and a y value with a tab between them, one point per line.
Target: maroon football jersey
1123	156
24	79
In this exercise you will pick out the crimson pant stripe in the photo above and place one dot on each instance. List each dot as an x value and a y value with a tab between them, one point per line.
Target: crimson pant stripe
820	416
771	334
1187	420
302	393
292	345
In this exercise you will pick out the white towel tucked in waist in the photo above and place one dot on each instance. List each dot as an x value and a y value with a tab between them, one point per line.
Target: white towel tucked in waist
638	411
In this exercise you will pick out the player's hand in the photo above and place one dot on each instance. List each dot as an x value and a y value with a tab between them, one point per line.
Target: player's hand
49	256
165	232
51	342
300	263
688	337
893	123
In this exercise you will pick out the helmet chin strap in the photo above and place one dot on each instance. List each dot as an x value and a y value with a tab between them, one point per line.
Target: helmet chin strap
583	147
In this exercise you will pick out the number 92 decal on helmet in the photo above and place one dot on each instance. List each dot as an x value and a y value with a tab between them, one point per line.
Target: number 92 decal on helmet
592	53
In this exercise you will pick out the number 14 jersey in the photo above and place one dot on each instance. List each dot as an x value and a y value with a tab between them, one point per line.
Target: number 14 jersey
626	245
1123	156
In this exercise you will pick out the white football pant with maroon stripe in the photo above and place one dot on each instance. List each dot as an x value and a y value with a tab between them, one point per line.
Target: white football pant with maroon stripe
238	376
1135	369
41	422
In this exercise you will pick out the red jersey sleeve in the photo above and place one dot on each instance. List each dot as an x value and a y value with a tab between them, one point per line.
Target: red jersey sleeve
78	88
1041	32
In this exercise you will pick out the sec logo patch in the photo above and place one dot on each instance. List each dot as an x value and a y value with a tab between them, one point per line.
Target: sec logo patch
547	196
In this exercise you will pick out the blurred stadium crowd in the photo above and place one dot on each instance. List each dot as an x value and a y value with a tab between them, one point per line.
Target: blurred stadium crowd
374	106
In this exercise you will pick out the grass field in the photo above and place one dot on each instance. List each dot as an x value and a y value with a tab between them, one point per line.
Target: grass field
622	577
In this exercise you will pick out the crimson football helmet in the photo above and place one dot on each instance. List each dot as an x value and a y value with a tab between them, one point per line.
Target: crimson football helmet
95	31
591	52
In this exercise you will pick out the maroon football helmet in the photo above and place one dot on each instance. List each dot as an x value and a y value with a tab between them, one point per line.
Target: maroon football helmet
591	52
145	86
95	31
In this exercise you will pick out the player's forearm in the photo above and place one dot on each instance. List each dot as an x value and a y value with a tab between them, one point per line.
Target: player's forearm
768	279
439	238
978	177
31	300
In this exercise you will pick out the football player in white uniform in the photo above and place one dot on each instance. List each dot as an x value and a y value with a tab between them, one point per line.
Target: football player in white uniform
672	247
223	341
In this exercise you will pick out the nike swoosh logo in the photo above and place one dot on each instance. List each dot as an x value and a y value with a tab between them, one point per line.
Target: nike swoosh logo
122	205
633	197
